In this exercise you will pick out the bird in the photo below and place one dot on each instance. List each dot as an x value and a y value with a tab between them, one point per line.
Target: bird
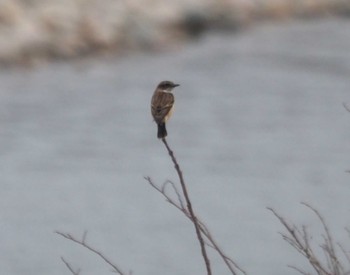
162	105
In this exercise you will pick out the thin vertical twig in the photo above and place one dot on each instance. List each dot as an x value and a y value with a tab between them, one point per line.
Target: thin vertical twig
189	207
231	264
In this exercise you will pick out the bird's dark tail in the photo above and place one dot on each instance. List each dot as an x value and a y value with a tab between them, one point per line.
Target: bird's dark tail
162	133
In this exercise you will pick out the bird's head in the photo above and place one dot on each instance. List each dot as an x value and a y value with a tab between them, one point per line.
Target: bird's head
167	86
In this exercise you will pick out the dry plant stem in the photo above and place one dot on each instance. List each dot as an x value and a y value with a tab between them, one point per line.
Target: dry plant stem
328	247
83	243
346	107
345	253
299	239
189	207
228	261
231	265
70	268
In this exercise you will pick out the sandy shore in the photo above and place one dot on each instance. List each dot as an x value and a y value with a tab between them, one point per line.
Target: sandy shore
41	30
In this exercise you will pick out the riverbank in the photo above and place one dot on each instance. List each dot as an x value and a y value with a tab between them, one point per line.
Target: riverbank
42	30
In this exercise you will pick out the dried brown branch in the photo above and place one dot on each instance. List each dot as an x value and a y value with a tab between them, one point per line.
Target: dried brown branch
345	253
328	246
83	243
178	195
210	240
228	261
346	107
70	268
300	240
161	190
189	208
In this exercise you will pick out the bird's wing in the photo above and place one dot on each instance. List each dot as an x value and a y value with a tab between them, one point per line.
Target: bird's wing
161	105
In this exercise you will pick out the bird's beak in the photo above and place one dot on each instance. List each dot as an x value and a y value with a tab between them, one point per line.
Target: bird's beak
175	85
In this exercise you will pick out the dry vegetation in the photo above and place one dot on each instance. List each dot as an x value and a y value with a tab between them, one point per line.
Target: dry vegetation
182	203
336	259
37	29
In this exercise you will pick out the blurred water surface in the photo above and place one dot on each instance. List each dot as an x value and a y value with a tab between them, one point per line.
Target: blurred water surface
259	122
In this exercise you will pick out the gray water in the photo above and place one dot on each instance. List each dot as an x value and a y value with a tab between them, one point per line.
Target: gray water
259	122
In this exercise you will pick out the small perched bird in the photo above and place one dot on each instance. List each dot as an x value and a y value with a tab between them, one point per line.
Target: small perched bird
162	105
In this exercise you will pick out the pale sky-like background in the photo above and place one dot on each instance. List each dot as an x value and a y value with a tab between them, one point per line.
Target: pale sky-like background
258	122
